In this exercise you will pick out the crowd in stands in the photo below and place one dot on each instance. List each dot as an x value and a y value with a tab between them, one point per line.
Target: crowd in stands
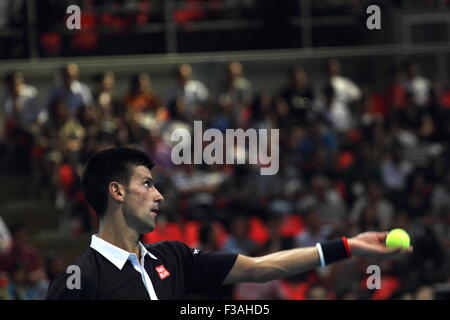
350	161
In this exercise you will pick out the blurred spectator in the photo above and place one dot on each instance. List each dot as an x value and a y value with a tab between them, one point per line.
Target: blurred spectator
336	112
395	93
197	188
141	111
238	240
368	220
282	118
277	241
21	253
141	96
20	103
74	93
382	207
364	167
107	110
327	201
5	237
63	130
25	285
345	89
208	237
261	113
341	94
105	96
193	93
54	265
441	195
418	195
19	287
416	84
62	137
317	149
236	93
27	279
315	229
5	286
299	96
395	171
21	118
428	257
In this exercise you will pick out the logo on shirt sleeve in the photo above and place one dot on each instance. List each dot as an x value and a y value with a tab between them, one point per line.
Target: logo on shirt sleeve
196	251
162	272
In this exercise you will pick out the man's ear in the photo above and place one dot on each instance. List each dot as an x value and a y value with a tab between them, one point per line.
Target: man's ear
117	191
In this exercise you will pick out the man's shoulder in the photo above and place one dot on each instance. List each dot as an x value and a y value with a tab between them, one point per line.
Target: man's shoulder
165	248
88	259
83	270
80	273
87	263
166	244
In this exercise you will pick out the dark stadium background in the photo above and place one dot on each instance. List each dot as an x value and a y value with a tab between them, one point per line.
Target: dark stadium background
380	160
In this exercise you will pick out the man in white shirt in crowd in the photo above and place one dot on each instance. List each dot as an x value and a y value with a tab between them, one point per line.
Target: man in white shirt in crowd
74	93
417	85
20	102
343	93
192	92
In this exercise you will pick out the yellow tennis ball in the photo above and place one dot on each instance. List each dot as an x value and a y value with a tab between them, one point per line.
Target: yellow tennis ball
397	238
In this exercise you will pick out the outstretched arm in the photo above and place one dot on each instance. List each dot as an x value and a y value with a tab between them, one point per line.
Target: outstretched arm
281	264
287	263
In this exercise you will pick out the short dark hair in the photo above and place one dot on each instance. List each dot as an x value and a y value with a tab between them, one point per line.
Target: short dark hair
114	164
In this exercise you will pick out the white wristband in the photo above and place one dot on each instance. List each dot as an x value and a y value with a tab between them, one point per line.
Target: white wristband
322	260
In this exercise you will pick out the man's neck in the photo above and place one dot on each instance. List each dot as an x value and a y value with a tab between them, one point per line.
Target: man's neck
123	238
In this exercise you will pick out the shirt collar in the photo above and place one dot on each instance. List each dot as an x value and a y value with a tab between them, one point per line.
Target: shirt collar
115	255
144	251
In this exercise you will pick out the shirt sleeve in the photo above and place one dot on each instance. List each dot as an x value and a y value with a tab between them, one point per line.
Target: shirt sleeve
206	269
59	289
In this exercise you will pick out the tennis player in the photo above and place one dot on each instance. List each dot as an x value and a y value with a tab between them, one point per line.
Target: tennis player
118	184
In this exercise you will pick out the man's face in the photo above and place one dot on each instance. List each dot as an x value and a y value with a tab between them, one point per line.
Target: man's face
141	201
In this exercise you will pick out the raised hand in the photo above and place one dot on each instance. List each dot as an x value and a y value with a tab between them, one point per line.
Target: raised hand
372	245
